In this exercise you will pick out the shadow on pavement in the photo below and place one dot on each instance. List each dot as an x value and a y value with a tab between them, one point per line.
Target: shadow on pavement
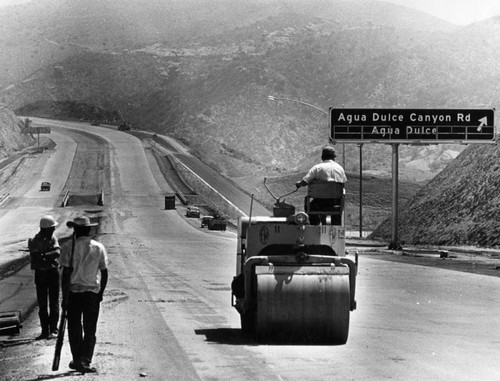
226	336
54	376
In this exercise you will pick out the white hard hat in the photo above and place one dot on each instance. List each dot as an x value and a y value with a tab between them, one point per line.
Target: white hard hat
48	222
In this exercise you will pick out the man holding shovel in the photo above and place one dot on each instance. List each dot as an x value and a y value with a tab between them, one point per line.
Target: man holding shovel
84	280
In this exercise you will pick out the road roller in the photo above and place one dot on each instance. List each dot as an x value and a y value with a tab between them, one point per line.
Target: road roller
293	280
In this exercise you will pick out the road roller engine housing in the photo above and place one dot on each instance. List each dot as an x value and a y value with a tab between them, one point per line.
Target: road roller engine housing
293	281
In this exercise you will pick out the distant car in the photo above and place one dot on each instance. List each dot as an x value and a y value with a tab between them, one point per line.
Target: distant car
124	127
45	186
193	211
95	123
205	220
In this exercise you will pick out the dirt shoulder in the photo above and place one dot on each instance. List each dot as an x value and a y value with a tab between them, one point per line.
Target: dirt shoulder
465	259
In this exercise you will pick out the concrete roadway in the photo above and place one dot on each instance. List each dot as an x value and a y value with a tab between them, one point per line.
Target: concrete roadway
167	314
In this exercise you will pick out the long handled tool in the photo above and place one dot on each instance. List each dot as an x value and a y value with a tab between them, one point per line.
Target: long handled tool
59	341
64	316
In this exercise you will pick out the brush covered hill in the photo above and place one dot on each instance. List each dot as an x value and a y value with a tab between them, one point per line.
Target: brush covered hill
11	137
205	78
459	206
44	32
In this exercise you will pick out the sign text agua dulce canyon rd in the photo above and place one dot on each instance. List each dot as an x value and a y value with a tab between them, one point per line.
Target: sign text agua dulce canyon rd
412	126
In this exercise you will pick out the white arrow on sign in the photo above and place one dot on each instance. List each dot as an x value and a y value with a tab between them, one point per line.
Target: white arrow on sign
484	121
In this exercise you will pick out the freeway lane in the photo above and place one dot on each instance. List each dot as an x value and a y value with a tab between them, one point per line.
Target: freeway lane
222	185
167	314
20	213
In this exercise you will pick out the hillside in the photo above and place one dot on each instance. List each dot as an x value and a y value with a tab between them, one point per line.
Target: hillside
61	28
210	89
11	138
459	206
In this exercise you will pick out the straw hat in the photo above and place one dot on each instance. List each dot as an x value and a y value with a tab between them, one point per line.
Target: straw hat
82	221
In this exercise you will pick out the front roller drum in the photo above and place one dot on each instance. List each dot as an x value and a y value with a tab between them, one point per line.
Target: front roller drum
306	303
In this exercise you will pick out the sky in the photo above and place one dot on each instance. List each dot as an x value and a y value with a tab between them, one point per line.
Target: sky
460	12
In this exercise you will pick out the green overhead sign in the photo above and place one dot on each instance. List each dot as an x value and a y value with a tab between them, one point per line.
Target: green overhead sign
412	126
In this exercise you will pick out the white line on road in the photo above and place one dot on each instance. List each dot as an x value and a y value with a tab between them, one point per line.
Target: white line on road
208	185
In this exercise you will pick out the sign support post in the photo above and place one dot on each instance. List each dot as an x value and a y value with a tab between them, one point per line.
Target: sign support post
395	245
360	190
38	131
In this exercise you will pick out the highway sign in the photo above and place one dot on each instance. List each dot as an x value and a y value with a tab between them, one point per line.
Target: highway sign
411	126
39	130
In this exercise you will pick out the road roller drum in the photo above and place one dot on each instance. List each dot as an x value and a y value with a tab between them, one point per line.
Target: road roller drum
309	303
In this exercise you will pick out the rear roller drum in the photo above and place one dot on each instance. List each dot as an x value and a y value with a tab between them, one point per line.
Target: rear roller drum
303	307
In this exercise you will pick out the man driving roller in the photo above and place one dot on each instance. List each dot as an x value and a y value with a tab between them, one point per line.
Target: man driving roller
326	171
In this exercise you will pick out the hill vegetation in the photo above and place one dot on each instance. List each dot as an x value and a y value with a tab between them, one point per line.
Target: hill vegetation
459	206
209	86
11	137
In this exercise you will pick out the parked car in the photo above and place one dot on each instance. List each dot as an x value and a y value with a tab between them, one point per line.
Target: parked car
193	211
205	220
45	186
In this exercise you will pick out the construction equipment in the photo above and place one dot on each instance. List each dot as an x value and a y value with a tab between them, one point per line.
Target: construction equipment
293	281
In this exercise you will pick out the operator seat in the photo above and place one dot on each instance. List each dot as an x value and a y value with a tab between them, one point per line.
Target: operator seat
325	199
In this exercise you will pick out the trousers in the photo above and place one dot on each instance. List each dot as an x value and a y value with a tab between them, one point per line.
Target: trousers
323	204
47	294
83	313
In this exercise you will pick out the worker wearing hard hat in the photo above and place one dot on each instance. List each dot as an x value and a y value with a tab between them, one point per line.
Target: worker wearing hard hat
44	252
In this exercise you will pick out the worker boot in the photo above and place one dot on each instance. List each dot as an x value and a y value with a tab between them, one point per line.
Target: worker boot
44	335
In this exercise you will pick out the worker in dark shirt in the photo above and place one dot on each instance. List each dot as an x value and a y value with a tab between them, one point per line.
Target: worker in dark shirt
44	252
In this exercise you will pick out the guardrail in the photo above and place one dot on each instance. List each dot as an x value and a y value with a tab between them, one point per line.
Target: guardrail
100	201
65	200
4	198
181	197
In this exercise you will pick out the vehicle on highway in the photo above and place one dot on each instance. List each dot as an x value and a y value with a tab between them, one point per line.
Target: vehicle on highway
45	186
193	211
205	220
293	280
124	126
217	223
95	123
